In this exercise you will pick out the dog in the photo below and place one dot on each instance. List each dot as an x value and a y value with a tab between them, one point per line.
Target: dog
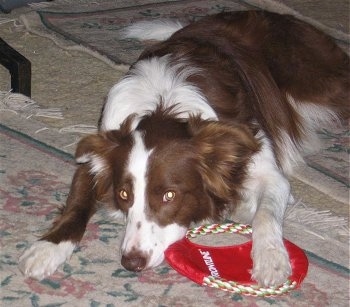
207	124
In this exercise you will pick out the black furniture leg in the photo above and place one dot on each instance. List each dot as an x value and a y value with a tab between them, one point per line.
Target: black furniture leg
19	68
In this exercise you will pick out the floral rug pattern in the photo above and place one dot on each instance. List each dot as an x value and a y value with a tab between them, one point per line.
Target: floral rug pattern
34	184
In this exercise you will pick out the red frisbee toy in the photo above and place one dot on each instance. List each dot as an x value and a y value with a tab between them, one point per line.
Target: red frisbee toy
228	267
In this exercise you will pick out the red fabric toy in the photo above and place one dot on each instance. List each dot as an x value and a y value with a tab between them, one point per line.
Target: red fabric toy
228	267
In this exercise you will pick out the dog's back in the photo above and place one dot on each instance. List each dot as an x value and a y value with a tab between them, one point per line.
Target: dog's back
262	67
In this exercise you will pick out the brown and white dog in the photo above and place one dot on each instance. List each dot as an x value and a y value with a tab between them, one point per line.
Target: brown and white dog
205	126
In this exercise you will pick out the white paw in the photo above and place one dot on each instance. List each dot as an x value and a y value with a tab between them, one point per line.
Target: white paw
43	258
271	266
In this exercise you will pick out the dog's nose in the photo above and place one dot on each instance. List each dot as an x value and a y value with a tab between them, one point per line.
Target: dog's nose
135	263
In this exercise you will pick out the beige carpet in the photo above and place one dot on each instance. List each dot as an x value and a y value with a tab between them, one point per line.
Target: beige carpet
69	78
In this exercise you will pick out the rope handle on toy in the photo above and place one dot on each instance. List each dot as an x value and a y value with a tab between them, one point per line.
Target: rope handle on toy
232	286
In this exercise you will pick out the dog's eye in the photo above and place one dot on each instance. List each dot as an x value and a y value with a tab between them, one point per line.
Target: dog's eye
123	194
168	196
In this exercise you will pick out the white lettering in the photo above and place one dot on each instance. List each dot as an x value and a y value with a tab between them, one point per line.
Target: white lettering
209	263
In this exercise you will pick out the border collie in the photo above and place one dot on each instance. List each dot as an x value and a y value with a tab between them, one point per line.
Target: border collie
206	125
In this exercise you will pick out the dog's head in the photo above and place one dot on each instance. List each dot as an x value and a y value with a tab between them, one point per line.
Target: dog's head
166	174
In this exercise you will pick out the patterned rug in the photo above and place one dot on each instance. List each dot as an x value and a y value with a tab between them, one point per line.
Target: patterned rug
35	180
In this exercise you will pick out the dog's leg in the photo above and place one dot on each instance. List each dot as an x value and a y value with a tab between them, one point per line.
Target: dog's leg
265	198
44	256
271	264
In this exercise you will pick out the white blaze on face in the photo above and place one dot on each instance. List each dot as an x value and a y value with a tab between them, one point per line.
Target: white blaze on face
143	235
137	168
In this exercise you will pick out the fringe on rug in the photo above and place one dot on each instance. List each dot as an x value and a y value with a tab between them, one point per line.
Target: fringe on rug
317	222
25	106
6	20
78	129
39	5
69	47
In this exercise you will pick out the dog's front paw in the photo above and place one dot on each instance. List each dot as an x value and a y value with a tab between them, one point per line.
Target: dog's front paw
271	266
43	258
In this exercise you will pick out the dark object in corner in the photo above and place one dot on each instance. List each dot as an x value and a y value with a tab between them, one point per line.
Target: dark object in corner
19	68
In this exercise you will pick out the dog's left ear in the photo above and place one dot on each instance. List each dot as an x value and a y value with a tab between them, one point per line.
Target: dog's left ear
223	151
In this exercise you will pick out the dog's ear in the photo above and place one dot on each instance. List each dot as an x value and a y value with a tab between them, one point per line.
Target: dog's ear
98	152
223	152
102	143
93	153
92	145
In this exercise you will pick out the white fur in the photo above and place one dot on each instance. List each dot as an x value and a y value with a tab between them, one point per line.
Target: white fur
137	167
150	82
156	29
314	115
313	118
96	163
265	199
85	158
43	258
149	239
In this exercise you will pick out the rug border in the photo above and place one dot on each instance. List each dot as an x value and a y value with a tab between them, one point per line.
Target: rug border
322	262
327	172
38	145
46	13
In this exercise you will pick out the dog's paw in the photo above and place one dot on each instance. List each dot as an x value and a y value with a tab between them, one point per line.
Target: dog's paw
271	266
43	258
